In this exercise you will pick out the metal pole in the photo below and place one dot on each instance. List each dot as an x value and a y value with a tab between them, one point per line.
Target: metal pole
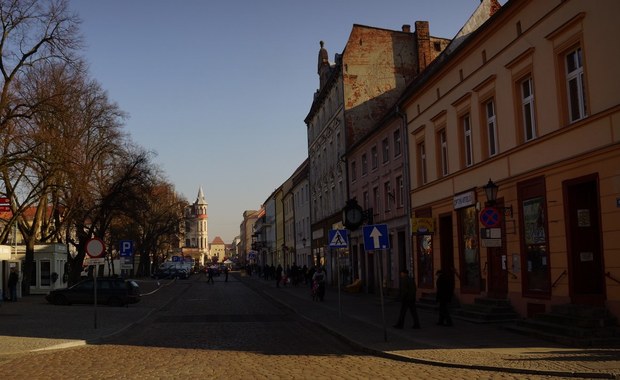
95	290
339	290
381	295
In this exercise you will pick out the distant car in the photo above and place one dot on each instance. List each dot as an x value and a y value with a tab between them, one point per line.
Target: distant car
110	291
171	273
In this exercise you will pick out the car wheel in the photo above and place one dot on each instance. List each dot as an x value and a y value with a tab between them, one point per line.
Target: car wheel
60	299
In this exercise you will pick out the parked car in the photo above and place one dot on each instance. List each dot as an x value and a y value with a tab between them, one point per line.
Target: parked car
171	273
111	291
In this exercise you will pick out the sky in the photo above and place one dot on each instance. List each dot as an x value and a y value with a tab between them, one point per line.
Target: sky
219	89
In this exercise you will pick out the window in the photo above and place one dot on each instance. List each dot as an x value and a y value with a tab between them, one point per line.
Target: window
366	200
400	191
491	127
443	152
376	200
364	164
467	141
422	178
46	270
397	148
534	237
527	109
353	171
575	85
387	196
374	157
386	150
468	249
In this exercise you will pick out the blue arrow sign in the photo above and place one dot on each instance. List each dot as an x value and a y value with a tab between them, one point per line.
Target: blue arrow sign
376	237
338	239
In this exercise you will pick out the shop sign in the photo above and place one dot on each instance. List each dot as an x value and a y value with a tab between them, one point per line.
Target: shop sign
465	199
422	226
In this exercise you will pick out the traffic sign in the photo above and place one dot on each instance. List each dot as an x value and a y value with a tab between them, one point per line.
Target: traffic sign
338	239
376	237
95	248
126	248
490	217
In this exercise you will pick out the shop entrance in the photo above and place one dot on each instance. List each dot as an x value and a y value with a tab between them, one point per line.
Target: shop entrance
586	269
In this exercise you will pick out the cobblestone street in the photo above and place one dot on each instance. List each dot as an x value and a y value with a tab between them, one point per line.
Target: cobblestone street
224	330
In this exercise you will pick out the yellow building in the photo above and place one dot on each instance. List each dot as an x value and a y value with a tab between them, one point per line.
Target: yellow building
217	250
530	102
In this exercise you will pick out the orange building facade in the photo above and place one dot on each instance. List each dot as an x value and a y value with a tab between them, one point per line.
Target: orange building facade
529	102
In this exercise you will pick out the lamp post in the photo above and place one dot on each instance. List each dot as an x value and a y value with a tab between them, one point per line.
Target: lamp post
490	190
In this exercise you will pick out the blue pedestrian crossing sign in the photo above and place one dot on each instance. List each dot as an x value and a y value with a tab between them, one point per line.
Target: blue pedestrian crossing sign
376	237
338	239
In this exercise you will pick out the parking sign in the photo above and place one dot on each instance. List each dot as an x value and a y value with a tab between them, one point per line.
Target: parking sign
126	248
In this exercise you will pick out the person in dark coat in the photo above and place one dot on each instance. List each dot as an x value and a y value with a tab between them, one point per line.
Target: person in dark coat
13	280
407	296
445	290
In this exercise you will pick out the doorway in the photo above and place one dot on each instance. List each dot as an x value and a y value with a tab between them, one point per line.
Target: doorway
446	242
497	263
584	242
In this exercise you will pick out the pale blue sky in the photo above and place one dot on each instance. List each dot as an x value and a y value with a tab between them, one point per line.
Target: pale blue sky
219	89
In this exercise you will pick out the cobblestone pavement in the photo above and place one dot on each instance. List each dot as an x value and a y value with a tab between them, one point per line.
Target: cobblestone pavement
190	328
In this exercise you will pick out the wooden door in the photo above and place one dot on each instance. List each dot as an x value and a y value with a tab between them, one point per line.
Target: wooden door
584	242
497	264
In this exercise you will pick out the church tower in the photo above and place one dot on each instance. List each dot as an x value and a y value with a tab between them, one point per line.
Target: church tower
197	229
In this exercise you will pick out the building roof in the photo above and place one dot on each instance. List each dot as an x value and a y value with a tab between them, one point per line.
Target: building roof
218	241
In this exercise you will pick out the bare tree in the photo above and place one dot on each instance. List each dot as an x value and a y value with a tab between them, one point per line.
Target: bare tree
34	32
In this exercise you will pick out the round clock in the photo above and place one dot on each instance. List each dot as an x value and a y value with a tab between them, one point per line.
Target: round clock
354	216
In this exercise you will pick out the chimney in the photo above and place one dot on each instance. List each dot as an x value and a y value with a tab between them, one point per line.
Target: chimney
423	42
406	28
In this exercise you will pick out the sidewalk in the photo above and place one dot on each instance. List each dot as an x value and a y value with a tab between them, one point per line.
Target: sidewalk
32	324
358	319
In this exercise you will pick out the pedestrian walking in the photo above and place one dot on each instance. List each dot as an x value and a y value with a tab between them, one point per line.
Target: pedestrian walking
407	295
278	275
210	275
13	280
445	291
225	274
318	284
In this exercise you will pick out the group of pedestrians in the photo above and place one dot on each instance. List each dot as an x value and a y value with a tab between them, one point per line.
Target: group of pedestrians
407	297
210	272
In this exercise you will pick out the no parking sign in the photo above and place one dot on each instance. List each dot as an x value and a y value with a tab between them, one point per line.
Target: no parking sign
490	217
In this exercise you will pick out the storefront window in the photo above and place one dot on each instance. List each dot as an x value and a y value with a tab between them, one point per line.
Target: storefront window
470	257
425	261
535	238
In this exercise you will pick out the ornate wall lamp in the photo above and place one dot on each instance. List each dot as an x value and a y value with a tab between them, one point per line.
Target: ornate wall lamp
490	190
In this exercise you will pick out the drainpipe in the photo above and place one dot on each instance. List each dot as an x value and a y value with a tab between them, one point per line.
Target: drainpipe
406	180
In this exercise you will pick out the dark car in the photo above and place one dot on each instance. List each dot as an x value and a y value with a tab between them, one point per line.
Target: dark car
110	291
170	273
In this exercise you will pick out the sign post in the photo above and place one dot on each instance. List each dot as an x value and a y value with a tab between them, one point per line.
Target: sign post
376	237
95	249
338	239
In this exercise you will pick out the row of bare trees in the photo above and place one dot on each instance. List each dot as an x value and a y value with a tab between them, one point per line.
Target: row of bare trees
68	168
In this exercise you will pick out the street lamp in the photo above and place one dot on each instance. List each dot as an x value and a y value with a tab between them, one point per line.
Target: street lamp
490	190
